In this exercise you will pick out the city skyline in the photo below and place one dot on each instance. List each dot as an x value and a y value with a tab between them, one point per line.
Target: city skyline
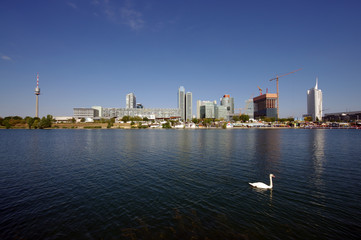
88	53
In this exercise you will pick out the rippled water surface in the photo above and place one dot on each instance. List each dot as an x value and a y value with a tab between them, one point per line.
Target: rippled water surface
180	184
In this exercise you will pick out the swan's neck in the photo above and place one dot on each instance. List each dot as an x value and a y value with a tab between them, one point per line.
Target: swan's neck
270	180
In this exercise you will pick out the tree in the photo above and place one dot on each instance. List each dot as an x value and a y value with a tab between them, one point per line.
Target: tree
236	118
308	119
13	120
244	117
30	122
49	120
45	122
136	118
207	121
126	119
268	119
195	120
17	118
166	125
82	120
6	123
73	120
145	119
36	123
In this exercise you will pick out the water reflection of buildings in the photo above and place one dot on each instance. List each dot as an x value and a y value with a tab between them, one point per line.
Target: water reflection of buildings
318	156
183	142
268	150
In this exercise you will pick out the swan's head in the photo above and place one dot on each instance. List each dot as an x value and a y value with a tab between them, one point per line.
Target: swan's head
271	175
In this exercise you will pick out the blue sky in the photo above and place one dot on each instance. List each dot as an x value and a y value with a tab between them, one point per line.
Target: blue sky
95	52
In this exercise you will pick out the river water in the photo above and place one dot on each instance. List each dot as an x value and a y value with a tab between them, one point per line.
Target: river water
180	184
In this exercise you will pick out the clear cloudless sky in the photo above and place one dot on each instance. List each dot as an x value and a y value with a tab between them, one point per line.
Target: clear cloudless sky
94	52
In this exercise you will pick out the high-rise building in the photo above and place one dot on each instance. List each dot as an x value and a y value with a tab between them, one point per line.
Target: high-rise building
207	109
314	102
220	112
185	104
228	102
249	108
130	101
210	109
199	104
265	105
188	108
182	102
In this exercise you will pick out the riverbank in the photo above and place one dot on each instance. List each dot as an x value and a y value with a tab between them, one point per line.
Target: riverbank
128	126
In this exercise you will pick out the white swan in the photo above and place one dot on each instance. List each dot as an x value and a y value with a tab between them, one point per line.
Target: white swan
262	185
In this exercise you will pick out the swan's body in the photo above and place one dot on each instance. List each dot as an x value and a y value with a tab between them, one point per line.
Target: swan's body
263	185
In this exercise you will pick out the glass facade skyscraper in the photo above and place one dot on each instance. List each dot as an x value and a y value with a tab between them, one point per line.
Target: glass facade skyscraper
189	103
228	102
207	110
182	102
249	108
185	104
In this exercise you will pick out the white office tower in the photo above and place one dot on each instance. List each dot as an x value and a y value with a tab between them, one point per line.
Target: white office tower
181	102
130	101
189	103
314	103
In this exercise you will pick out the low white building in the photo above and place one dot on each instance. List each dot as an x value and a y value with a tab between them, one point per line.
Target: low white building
63	119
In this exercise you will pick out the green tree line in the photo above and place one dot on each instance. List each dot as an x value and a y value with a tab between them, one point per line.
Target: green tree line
36	123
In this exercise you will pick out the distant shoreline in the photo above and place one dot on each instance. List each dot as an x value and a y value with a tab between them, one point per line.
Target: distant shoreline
202	128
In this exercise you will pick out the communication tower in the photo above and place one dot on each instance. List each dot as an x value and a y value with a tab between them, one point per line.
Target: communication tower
37	93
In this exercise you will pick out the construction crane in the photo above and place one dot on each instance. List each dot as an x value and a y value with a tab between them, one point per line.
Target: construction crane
278	94
247	103
260	90
246	106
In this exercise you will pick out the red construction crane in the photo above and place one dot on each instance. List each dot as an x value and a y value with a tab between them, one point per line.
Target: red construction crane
278	94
